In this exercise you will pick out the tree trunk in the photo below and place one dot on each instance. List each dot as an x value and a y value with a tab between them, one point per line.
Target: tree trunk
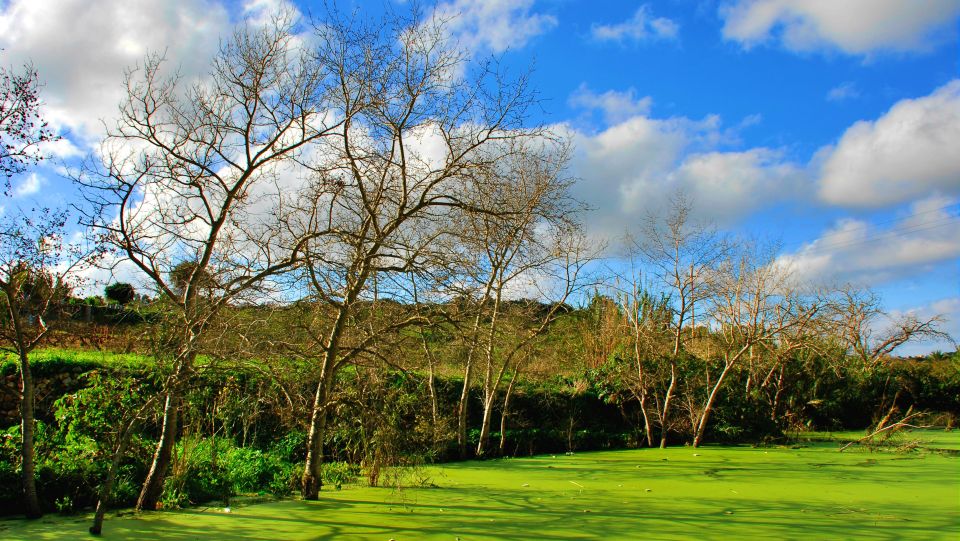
105	491
27	429
505	413
485	425
27	420
642	385
463	407
648	432
434	408
776	396
312	481
153	485
708	407
152	489
664	426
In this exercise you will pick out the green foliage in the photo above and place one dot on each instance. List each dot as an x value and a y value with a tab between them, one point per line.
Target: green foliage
337	474
207	470
120	292
52	361
381	425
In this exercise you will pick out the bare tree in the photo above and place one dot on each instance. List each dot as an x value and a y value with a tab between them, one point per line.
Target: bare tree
190	174
682	255
420	123
535	245
648	320
35	263
871	334
754	304
530	242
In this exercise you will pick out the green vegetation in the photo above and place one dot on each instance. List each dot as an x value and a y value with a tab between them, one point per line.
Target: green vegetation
236	441
52	360
369	325
782	492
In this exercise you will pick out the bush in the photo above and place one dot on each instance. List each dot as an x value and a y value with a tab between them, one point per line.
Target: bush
205	472
120	292
339	473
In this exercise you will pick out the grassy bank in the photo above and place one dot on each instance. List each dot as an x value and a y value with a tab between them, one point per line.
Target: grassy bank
806	491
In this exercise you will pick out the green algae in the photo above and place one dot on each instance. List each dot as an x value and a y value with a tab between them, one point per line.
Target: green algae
811	492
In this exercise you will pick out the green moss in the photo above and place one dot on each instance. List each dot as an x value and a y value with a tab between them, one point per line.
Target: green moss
679	493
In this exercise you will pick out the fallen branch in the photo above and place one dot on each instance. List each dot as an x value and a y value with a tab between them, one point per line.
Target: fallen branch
889	429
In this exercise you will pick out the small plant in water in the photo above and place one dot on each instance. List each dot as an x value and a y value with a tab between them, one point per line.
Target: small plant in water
64	505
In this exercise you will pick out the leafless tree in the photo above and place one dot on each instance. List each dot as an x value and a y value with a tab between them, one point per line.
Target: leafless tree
35	262
871	334
682	255
421	127
648	323
529	245
755	304
189	175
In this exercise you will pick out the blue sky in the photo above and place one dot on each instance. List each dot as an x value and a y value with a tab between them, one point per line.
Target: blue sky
833	126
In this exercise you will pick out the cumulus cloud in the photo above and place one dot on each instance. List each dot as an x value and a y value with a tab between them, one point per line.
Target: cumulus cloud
642	26
494	25
81	50
854	251
729	185
635	165
909	152
857	27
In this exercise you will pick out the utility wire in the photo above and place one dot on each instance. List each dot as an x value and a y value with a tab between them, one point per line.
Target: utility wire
891	220
893	233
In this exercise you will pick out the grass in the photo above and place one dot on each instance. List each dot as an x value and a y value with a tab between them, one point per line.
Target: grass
57	357
679	493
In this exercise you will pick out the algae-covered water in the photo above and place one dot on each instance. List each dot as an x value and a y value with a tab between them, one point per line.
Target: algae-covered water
808	492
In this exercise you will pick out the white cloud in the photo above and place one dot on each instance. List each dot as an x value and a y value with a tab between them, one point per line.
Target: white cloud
729	185
909	152
494	25
642	26
81	49
30	185
843	91
634	166
615	106
851	26
260	12
857	252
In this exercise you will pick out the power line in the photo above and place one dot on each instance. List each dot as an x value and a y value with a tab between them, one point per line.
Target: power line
899	219
893	233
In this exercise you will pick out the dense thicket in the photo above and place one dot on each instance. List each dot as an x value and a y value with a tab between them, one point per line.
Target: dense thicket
244	431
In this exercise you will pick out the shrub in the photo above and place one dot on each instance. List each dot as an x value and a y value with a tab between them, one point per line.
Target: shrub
339	473
120	292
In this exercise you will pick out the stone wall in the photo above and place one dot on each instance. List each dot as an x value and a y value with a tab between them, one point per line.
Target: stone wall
49	388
